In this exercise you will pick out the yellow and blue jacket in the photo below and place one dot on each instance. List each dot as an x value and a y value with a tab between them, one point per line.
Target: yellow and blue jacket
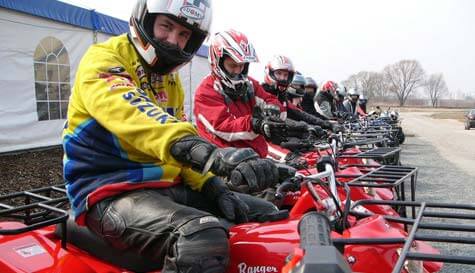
120	125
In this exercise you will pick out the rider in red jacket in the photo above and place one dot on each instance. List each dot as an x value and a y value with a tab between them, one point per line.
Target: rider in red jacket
225	99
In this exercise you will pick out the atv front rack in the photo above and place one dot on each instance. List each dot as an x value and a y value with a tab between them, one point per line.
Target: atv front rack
386	176
35	208
439	213
384	155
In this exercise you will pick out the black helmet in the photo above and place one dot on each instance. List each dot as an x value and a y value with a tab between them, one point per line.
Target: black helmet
295	92
297	86
161	57
298	81
310	82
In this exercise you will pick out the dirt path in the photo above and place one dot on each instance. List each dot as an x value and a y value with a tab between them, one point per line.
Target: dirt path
448	136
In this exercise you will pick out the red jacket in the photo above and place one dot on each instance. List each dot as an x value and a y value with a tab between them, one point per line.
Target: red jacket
226	122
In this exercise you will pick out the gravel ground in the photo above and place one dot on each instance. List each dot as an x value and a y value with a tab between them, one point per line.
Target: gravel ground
29	170
440	180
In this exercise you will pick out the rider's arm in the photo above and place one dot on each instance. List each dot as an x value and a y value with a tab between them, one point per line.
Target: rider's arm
326	109
299	115
218	117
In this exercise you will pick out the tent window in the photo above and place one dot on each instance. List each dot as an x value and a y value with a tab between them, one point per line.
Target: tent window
52	79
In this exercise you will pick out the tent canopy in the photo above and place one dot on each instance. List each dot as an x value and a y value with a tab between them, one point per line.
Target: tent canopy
76	16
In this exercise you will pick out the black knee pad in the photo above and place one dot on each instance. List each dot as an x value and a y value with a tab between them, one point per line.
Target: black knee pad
201	247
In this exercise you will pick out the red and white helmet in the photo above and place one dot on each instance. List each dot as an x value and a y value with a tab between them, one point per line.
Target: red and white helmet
279	62
235	45
160	56
329	86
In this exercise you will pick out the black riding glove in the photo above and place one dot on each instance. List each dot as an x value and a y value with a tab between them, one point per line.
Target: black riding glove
296	128
316	132
271	111
336	128
233	208
256	175
242	166
272	129
326	125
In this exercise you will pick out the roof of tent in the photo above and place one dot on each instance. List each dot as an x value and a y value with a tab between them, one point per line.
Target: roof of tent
73	15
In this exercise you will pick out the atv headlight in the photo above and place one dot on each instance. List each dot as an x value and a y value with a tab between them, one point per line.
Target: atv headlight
412	266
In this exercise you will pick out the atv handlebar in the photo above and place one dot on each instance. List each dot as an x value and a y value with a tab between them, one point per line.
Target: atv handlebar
316	252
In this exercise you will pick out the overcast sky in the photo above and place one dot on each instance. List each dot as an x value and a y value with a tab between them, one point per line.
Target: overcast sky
330	40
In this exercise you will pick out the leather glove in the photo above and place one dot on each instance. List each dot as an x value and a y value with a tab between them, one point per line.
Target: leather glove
271	111
243	166
272	129
296	128
336	128
255	175
316	131
233	208
326	125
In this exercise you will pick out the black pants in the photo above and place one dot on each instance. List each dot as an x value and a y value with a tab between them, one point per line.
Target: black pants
174	226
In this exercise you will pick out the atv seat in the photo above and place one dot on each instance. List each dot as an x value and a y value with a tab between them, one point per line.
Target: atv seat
86	240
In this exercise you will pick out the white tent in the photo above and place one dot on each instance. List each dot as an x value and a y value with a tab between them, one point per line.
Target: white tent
41	45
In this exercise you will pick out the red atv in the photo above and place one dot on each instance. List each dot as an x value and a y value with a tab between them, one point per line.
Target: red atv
36	235
361	171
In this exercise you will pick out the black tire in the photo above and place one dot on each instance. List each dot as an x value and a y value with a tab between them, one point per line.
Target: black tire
467	126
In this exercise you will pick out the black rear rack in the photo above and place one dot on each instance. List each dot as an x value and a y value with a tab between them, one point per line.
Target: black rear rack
387	176
35	208
419	222
384	155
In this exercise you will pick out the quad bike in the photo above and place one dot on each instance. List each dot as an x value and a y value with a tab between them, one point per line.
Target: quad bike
358	168
391	119
36	235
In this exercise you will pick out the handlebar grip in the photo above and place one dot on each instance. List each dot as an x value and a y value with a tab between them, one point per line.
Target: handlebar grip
314	230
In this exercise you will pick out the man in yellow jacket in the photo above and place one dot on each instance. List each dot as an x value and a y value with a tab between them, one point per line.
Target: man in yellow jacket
136	173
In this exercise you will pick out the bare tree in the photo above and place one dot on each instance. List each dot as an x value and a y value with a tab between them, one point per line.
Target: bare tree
372	84
403	78
352	82
381	86
435	87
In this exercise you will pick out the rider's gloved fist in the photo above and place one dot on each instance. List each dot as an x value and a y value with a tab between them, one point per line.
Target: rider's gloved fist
317	131
233	208
273	130
271	110
327	125
336	128
257	175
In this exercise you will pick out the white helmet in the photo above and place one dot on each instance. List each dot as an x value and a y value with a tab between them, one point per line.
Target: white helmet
341	90
159	56
353	92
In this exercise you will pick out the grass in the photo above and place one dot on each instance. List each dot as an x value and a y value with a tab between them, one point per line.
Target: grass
454	114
